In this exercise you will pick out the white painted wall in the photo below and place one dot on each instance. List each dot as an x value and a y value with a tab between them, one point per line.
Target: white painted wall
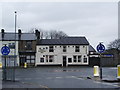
58	54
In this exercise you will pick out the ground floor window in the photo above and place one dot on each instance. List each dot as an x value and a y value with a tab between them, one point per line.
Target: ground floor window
46	58
85	59
69	60
41	60
30	59
75	58
51	58
79	58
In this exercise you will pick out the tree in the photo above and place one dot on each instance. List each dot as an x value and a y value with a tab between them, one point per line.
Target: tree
46	34
49	34
114	44
53	34
61	34
114	48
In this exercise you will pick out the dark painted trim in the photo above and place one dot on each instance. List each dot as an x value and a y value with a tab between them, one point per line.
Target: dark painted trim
59	44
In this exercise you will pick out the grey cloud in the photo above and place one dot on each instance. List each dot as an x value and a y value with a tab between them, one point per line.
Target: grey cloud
94	20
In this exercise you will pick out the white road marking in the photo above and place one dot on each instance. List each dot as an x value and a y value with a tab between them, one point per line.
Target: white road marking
59	77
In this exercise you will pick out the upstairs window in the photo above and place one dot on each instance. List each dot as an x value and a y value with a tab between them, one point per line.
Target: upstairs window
64	48
28	45
77	49
51	49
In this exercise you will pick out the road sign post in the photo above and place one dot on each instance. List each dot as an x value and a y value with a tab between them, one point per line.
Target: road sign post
5	51
100	49
100	67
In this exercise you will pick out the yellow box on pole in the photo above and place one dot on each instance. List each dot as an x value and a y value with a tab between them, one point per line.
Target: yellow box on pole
0	65
96	71
25	65
118	71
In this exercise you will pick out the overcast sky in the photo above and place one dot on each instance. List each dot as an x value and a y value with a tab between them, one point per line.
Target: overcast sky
97	21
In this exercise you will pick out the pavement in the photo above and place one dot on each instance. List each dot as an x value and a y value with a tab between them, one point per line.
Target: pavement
59	77
18	84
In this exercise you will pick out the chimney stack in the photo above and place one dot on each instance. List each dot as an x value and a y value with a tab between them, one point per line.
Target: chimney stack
37	33
3	32
19	34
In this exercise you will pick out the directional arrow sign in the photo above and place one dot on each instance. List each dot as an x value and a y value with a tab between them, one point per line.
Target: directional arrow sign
100	48
5	50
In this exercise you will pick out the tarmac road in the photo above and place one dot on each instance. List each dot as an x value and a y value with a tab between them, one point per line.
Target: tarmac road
64	77
0	78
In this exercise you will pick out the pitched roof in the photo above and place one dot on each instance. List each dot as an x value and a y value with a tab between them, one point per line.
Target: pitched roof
91	49
24	36
64	41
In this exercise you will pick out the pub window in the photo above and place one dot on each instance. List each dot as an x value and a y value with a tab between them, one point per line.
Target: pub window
41	60
75	58
11	45
46	58
85	59
79	58
32	61
27	57
70	60
64	48
28	45
51	49
77	48
51	58
32	57
28	61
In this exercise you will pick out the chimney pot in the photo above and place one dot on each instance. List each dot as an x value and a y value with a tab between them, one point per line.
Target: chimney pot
19	34
2	30
19	31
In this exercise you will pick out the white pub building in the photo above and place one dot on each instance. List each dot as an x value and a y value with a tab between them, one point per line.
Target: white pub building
64	51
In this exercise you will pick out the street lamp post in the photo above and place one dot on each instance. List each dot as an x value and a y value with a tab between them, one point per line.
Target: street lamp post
15	46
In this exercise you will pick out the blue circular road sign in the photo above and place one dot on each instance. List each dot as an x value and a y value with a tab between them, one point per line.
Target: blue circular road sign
100	48
5	50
